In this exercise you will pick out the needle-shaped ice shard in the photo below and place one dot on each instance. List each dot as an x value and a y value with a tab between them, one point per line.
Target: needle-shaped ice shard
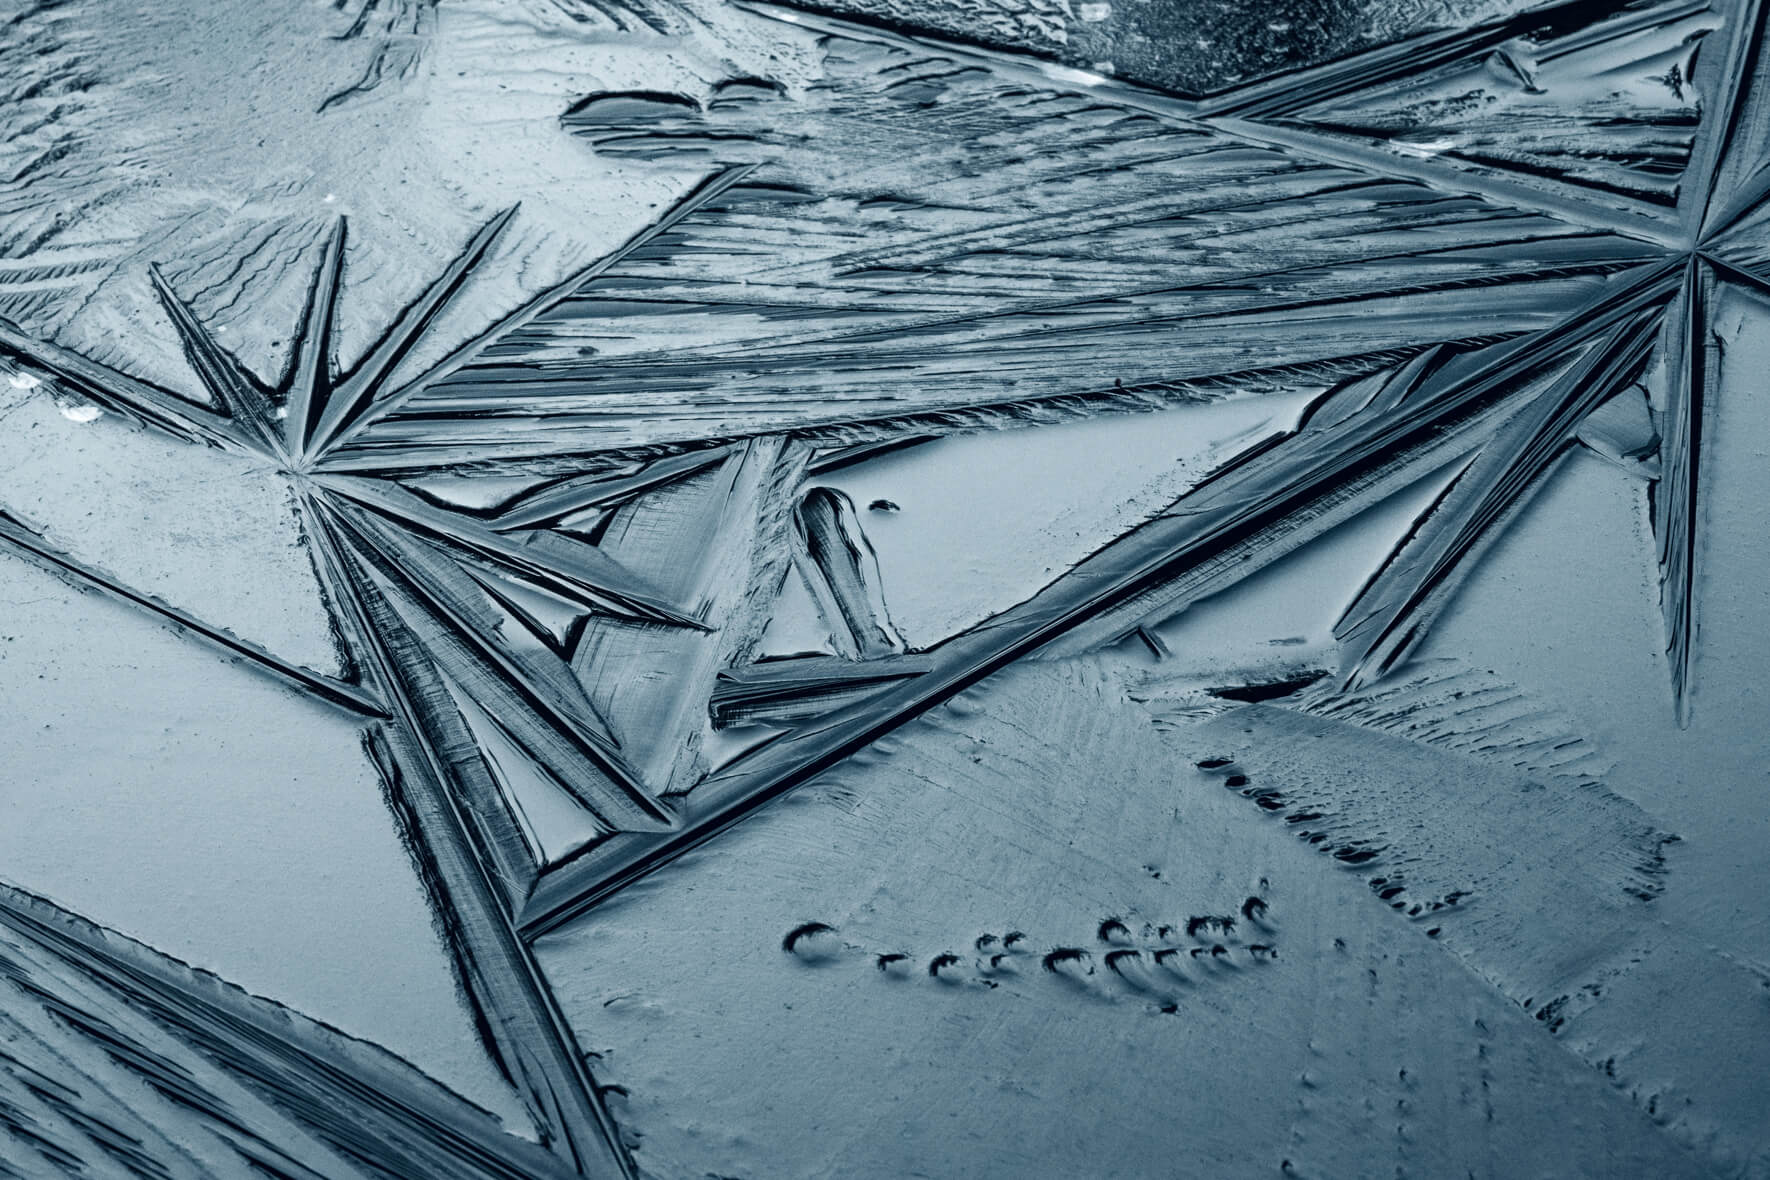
308	382
423	768
551	502
1390	616
362	400
22	538
460	601
562	566
358	392
117	391
235	389
1732	150
245	1065
1677	523
1419	56
423	618
798	689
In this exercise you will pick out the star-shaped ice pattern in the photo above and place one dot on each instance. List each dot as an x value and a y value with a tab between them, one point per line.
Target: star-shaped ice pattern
1404	231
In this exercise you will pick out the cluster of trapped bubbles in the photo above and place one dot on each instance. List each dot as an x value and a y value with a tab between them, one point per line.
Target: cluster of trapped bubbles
1157	962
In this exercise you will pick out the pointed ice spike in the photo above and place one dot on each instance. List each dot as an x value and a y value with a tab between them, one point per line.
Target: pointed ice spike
308	384
576	571
383	402
508	849
378	1114
847	456
1565	202
789	691
541	736
549	503
551	620
1391	614
346	696
1306	458
237	391
523	1023
1421	93
1736	114
421	706
455	597
1375	393
1677	503
549	821
1740	251
149	404
356	392
1740	274
527	710
534	1044
1753	192
1347	400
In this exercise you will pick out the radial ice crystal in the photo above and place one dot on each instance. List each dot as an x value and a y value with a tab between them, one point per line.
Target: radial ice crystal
1215	549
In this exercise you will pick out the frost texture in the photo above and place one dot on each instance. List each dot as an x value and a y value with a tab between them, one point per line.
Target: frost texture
598	595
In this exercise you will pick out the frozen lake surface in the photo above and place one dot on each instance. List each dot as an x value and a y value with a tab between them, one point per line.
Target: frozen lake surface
884	588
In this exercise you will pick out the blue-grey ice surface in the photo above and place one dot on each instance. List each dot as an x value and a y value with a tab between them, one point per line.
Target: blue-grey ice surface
884	587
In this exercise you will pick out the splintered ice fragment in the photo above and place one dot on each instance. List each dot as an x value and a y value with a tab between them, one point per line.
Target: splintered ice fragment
1622	431
556	563
238	392
341	405
843	571
116	391
420	622
836	458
